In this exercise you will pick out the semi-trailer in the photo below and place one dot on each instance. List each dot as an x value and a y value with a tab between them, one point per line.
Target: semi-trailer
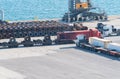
62	38
99	45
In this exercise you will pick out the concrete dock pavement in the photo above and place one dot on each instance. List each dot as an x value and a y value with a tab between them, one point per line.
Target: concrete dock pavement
112	20
9	74
60	62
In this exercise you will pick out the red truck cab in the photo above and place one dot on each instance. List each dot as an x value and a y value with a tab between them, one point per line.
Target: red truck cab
69	36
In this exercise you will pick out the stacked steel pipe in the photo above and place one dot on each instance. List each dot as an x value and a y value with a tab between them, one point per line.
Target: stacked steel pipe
32	29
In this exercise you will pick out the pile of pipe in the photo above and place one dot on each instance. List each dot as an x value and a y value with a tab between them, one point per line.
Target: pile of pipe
32	28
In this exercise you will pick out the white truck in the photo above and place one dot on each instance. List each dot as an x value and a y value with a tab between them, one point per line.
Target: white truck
80	39
108	30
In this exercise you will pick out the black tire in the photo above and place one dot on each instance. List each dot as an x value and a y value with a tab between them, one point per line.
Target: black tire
101	17
12	46
77	45
80	19
56	41
37	42
47	42
28	44
96	18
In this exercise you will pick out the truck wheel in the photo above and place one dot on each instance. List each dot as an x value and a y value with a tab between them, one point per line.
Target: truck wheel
77	45
80	19
118	34
4	44
96	18
56	41
108	35
101	17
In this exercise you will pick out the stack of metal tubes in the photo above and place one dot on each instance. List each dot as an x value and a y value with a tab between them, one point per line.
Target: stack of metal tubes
32	28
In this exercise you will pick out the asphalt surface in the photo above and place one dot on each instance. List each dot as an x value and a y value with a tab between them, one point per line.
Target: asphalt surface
57	62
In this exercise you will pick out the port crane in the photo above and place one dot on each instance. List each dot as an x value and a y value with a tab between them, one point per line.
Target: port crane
79	10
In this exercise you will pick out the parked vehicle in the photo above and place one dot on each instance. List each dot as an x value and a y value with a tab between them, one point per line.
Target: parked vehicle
12	43
27	42
70	36
62	38
99	45
47	40
108	30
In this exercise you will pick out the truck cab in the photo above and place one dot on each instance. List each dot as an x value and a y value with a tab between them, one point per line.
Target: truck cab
80	39
71	36
108	30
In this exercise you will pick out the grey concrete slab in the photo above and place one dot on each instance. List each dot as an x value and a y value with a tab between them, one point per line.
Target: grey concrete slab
67	62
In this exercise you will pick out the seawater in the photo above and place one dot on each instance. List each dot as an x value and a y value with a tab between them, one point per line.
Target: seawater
47	9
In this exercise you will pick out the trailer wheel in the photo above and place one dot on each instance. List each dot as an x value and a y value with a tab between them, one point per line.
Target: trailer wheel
4	44
80	19
108	35
118	33
28	45
98	51
94	50
57	41
37	42
101	17
12	45
96	18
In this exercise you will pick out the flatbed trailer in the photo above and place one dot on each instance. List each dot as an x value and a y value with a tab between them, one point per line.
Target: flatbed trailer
99	50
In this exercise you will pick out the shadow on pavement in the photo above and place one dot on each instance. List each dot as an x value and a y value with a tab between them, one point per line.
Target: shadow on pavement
87	51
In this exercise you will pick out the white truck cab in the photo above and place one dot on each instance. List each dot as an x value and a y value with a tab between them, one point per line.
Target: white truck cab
108	30
79	39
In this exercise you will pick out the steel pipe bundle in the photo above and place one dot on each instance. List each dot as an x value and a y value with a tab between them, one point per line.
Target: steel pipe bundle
32	29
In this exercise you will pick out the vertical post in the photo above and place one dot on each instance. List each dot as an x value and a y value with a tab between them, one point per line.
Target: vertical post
2	14
71	5
89	3
69	8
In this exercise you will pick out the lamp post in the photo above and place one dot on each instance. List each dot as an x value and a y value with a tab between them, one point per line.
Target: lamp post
2	14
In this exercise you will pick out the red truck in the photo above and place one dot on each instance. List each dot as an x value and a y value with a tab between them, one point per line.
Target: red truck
69	36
